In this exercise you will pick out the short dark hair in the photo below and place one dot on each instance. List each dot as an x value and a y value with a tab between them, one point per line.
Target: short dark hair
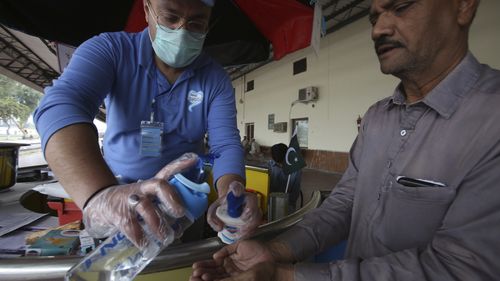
278	152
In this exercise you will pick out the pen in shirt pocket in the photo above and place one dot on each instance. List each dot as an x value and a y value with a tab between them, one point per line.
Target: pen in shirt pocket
412	182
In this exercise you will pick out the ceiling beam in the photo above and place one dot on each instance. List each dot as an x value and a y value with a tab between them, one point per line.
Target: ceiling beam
20	60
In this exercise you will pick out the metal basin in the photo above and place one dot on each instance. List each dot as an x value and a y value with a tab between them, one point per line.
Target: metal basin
170	260
9	155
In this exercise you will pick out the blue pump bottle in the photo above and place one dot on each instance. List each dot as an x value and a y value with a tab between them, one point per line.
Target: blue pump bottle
230	214
118	259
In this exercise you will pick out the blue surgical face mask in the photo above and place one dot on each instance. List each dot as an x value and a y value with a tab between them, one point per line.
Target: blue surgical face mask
177	47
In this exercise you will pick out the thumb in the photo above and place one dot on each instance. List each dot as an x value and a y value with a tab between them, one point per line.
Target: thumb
237	188
178	165
226	251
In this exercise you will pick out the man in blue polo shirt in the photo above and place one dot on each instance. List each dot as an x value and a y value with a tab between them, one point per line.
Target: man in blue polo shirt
162	94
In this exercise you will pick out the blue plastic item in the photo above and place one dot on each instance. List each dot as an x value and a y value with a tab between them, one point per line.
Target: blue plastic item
194	196
331	254
230	214
118	259
235	204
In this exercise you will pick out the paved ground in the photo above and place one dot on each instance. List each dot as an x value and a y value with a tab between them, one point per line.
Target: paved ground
311	179
31	156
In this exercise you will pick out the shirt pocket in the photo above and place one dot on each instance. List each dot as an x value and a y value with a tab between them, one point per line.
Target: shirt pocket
410	216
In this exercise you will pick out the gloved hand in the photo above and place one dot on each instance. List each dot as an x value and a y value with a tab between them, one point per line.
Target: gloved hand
251	213
119	207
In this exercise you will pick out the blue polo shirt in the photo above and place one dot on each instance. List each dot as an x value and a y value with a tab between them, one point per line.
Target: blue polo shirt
118	69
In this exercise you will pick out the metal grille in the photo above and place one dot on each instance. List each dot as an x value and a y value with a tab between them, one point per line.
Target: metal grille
17	58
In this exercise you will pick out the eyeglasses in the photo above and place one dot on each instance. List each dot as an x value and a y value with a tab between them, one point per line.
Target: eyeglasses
174	21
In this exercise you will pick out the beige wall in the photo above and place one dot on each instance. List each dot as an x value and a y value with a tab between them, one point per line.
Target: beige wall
349	81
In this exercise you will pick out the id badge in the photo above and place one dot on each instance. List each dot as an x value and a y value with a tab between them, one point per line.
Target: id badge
151	138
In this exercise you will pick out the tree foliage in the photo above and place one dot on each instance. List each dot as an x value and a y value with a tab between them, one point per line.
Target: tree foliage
17	102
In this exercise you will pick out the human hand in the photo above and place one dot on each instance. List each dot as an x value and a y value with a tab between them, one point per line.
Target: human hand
155	200
265	271
251	215
232	260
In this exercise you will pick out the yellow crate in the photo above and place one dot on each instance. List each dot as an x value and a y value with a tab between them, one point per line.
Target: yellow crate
257	180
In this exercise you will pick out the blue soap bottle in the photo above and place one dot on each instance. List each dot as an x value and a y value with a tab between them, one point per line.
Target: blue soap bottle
230	214
119	259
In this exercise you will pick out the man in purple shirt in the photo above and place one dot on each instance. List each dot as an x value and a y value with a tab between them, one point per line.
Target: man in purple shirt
162	95
420	199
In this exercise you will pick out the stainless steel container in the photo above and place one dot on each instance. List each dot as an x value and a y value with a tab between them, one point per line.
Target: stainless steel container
9	155
278	206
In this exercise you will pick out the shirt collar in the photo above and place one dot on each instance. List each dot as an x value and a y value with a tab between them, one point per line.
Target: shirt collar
445	97
146	56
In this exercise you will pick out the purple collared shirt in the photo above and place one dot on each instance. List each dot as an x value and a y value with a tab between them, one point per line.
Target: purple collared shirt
401	232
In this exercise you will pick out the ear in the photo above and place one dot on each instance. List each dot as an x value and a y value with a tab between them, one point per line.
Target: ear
466	11
146	10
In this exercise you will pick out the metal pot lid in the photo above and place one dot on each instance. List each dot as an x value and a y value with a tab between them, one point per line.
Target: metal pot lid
12	144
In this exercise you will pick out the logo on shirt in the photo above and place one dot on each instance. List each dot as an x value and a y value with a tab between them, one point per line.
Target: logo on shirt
194	99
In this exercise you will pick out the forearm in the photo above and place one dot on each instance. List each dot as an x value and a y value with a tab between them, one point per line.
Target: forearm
73	154
284	272
280	251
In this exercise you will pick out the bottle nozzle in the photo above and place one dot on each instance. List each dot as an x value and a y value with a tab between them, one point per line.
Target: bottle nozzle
235	204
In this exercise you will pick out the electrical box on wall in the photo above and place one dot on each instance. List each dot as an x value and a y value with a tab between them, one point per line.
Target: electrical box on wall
280	127
308	94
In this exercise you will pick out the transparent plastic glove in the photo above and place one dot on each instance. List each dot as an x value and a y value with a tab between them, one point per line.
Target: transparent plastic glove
251	213
127	207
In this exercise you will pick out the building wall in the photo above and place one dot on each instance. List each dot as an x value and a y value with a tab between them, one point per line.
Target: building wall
349	81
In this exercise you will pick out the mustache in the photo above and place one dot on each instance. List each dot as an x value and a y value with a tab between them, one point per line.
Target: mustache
386	41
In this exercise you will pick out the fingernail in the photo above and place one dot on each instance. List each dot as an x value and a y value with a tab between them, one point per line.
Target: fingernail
142	243
178	212
187	156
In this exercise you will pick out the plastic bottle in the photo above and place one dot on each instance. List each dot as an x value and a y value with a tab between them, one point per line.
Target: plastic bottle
230	214
118	259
